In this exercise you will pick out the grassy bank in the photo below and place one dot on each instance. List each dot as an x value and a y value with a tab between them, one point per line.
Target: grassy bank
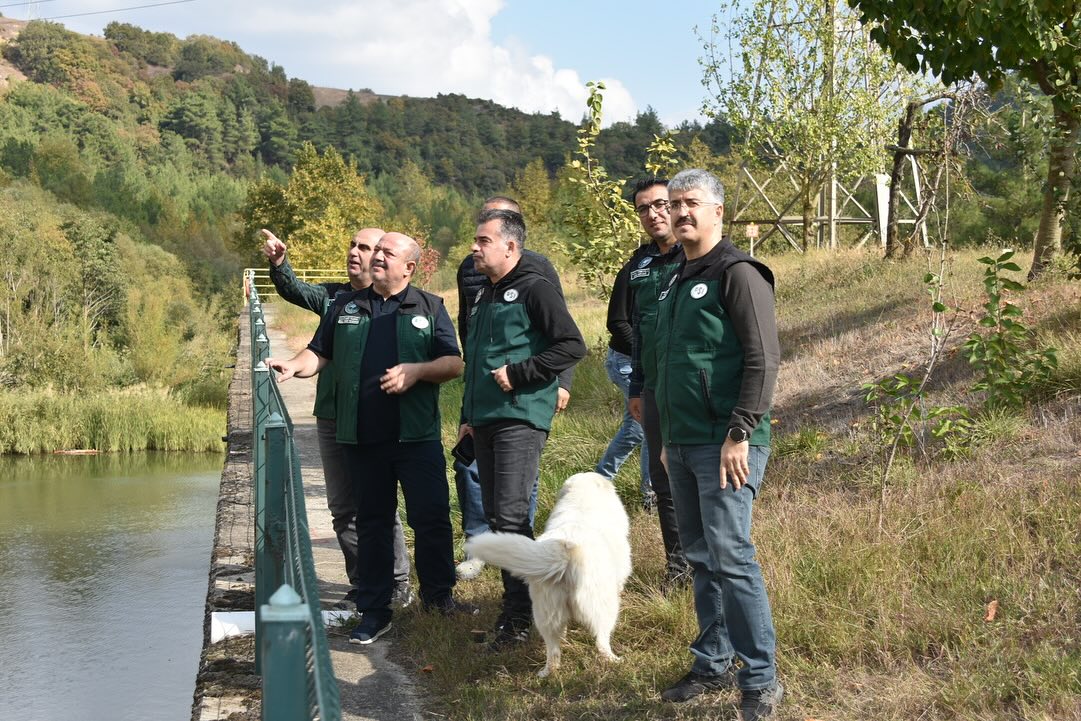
872	623
129	420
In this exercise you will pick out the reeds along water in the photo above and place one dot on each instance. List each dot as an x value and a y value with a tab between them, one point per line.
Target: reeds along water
42	422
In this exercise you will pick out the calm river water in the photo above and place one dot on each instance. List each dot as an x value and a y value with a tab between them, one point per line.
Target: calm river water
103	577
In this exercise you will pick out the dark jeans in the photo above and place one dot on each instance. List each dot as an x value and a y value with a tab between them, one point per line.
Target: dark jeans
666	509
508	459
467	484
343	507
375	470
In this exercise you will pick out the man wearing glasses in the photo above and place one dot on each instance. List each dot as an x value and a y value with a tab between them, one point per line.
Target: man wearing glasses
718	356
631	313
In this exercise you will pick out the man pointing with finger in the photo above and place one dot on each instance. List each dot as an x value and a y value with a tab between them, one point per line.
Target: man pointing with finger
718	356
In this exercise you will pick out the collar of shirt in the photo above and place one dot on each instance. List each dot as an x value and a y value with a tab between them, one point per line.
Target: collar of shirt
383	307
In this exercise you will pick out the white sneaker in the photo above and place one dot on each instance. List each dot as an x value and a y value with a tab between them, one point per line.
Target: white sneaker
470	568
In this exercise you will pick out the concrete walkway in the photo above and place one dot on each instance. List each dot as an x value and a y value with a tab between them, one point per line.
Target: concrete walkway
372	687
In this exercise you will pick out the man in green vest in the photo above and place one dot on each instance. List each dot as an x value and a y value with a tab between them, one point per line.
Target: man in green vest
632	314
392	345
318	298
718	356
521	336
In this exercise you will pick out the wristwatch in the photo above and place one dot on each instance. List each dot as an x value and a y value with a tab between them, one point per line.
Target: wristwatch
737	434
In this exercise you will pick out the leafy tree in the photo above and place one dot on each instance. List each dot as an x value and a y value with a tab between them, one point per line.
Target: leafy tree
806	93
323	204
1039	39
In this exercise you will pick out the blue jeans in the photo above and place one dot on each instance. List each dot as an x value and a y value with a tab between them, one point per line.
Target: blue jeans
467	484
729	594
630	433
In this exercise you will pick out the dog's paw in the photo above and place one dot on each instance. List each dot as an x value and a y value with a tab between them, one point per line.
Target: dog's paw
544	672
612	658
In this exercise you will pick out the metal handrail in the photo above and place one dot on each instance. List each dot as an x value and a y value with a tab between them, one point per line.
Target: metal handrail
292	654
259	279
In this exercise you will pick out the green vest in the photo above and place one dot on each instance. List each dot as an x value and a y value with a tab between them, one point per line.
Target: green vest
418	406
324	385
700	359
648	276
501	333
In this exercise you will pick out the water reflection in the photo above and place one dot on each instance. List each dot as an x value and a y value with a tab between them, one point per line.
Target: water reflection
103	568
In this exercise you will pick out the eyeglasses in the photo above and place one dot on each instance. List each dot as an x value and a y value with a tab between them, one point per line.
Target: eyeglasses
658	206
690	204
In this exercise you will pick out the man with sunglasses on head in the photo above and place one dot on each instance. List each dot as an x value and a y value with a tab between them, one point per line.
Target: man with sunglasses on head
632	311
718	356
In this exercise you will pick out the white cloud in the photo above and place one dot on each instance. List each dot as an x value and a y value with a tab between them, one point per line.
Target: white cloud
423	47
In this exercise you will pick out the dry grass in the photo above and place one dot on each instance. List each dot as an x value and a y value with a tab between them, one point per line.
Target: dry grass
871	624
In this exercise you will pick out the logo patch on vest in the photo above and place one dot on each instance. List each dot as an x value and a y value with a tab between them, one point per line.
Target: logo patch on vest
351	307
511	295
480	294
640	273
349	320
645	261
420	322
698	291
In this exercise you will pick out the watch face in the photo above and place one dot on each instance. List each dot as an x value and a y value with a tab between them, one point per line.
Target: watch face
738	435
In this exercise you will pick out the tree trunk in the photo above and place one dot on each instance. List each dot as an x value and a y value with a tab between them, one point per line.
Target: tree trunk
897	175
809	195
1060	169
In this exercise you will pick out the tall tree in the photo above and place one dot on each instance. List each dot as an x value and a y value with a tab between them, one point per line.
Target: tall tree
959	39
804	89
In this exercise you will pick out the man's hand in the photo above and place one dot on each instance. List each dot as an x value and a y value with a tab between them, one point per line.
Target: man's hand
464	430
286	368
563	397
734	464
634	407
500	375
273	248
399	379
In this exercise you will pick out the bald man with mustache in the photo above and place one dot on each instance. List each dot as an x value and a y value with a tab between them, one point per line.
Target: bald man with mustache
391	345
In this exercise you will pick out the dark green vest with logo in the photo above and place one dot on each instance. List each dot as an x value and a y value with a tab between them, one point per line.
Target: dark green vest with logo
324	386
418	406
501	333
700	359
648	276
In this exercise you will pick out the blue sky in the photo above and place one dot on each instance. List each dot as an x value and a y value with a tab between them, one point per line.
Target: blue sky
535	55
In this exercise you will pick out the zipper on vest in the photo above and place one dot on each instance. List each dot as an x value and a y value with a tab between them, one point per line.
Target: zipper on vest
705	394
513	392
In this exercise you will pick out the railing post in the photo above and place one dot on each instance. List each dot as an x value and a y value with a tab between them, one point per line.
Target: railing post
285	691
269	515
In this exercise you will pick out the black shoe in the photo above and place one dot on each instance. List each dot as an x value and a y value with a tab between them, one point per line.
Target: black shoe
508	633
402	596
451	606
370	628
348	602
760	703
649	503
696	684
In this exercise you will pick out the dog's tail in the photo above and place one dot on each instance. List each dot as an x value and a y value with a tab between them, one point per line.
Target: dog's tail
530	560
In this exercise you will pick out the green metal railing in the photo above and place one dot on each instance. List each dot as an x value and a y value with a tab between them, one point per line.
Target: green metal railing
291	650
259	280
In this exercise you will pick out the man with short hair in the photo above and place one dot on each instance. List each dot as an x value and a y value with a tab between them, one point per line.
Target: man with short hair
632	314
318	298
466	480
521	336
392	345
718	356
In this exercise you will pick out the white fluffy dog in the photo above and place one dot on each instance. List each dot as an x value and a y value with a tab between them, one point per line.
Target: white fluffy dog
577	567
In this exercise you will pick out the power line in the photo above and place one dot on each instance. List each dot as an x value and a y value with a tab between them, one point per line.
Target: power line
116	10
24	2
